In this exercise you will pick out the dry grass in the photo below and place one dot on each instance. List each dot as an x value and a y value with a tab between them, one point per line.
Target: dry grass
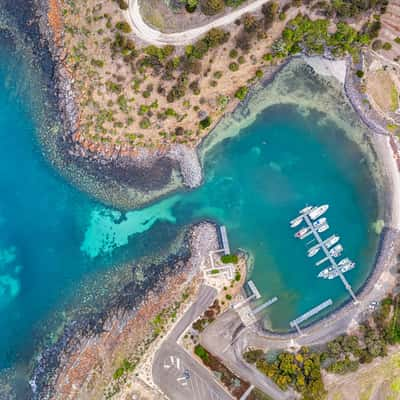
111	90
383	91
379	380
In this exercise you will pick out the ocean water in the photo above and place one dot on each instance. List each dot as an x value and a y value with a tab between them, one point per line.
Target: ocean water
53	237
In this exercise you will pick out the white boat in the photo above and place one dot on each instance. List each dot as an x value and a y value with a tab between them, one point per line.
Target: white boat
318	211
327	242
344	262
297	221
332	272
320	222
331	241
323	228
302	232
313	251
306	210
336	251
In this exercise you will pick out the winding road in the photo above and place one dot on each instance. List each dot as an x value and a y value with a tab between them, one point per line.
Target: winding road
150	35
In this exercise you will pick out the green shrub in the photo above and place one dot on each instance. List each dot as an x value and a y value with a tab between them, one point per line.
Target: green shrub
387	46
123	5
229	259
97	63
212	7
233	53
228	297
241	93
268	57
217	74
241	60
259	74
145	123
123	26
118	373
360	73
191	5
233	66
252	356
397	40
201	352
214	271
205	123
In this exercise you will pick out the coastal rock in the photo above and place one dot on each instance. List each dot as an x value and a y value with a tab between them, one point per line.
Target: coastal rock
85	357
189	164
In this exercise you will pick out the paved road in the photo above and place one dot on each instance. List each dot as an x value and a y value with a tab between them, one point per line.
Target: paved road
176	372
153	36
217	338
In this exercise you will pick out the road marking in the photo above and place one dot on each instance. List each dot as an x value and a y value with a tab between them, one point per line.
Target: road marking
172	359
178	363
166	366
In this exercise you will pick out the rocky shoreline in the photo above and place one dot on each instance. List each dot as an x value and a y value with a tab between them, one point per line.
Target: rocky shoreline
85	356
143	170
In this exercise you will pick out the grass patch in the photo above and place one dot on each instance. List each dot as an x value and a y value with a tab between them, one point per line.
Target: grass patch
230	259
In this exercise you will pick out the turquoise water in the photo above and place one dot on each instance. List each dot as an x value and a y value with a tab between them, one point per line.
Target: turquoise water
52	236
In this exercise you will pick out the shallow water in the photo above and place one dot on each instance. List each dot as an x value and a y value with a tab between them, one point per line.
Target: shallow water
52	236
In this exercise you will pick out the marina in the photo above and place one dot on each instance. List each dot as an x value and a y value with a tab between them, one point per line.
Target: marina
313	227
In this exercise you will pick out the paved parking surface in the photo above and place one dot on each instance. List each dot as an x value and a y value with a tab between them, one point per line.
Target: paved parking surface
187	381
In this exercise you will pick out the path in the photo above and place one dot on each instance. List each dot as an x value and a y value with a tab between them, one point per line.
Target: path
150	35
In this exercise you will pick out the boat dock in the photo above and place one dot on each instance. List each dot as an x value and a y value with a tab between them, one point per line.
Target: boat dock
265	305
224	239
254	291
296	322
329	256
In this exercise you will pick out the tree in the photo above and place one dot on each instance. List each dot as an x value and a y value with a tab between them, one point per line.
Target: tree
212	7
252	356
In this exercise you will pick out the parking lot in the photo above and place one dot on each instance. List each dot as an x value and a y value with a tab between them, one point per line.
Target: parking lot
185	383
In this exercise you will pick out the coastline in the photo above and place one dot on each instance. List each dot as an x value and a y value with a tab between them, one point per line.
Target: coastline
92	348
147	165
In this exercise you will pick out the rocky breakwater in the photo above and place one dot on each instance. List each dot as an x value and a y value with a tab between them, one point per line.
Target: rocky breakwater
106	160
83	361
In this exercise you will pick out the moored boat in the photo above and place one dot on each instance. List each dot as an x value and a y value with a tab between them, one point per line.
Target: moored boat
297	221
331	241
318	211
313	251
301	232
323	228
336	251
332	272
319	222
306	210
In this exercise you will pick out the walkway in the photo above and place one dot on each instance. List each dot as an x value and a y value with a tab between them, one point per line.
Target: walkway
153	36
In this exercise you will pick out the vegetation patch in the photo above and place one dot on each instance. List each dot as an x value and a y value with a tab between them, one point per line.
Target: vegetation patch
230	259
302	371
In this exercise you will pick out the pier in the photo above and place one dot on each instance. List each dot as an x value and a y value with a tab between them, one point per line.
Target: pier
265	305
254	291
224	239
329	257
296	322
